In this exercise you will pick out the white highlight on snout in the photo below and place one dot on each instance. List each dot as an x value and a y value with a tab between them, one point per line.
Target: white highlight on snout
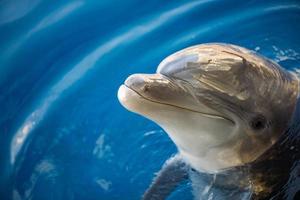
131	100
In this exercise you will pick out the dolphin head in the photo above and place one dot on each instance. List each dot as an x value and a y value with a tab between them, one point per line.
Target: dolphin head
222	105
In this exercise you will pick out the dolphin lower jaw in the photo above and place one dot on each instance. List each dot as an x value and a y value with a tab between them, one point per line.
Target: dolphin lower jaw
196	135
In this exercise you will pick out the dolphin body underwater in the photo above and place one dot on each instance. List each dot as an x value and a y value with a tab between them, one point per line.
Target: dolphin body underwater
234	117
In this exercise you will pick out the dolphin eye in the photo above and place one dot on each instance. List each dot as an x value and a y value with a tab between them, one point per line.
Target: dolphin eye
258	123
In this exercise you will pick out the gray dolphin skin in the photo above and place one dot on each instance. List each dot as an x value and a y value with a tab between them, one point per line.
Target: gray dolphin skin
226	108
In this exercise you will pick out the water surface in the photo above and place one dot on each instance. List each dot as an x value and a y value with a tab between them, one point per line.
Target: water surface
63	133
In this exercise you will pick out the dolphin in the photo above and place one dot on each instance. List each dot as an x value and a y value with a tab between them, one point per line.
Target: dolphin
226	108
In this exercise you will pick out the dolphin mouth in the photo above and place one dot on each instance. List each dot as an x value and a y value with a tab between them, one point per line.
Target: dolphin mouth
209	115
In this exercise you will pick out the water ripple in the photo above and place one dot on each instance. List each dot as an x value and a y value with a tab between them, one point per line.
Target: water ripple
88	62
121	161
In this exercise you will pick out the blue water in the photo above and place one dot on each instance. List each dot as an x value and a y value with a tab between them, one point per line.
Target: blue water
63	134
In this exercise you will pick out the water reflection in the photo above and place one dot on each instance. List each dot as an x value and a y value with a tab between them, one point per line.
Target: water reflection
63	129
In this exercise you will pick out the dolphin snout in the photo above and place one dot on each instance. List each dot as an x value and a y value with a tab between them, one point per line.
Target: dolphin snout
147	84
137	82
